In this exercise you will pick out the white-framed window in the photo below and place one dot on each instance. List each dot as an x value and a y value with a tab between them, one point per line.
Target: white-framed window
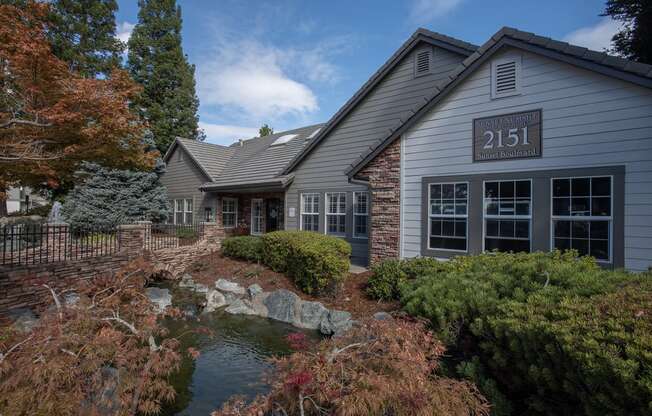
361	214
187	218
229	212
310	212
336	213
506	76
170	219
582	215
256	216
448	216
208	214
507	212
178	211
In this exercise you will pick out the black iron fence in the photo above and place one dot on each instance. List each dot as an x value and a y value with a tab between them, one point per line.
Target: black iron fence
35	243
172	235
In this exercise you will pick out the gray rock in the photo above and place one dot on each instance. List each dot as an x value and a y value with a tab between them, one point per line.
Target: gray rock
231	297
23	319
70	299
383	316
161	298
281	305
214	300
187	281
254	289
224	285
310	315
241	307
335	323
200	288
258	303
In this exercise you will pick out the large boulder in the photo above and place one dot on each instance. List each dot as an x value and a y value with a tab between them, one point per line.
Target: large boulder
253	290
161	298
241	307
214	300
311	315
335	323
281	305
224	285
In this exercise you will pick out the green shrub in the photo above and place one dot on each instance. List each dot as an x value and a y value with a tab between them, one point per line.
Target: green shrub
316	262
243	247
389	276
526	327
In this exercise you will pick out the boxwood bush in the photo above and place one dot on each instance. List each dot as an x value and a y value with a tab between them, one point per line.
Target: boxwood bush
243	247
390	275
317	263
543	333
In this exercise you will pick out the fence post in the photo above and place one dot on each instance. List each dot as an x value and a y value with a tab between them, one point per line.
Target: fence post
131	239
147	233
213	232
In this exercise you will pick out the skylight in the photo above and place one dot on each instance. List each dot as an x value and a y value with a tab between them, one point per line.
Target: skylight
314	133
284	139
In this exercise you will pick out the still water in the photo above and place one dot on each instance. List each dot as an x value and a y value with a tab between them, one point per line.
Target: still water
232	362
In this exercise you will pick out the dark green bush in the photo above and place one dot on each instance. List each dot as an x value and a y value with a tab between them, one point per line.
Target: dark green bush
243	247
515	324
390	275
317	263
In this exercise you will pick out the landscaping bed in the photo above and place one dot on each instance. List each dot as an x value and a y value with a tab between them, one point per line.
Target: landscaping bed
351	297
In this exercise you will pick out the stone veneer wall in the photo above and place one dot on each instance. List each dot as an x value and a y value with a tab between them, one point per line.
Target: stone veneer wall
22	286
384	176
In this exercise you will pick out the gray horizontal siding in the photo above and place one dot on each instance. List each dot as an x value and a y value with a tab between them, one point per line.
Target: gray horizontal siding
324	168
182	180
588	120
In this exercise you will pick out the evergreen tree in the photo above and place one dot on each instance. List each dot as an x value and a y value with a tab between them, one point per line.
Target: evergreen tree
634	41
265	130
83	34
156	61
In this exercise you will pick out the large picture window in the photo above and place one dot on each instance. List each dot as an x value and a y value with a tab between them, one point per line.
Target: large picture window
188	212
310	212
582	215
229	212
508	215
448	215
361	214
256	216
336	213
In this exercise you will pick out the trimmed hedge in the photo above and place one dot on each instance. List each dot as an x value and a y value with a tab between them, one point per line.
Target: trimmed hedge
543	333
317	263
389	276
243	247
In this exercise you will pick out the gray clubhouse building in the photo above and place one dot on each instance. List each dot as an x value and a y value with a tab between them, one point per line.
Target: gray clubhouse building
522	144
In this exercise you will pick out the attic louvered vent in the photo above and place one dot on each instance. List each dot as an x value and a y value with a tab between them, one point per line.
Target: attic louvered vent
505	77
423	62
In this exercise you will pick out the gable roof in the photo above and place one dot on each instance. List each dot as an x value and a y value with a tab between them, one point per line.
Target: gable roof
600	62
250	162
420	35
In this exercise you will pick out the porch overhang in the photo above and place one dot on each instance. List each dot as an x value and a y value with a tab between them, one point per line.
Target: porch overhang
277	184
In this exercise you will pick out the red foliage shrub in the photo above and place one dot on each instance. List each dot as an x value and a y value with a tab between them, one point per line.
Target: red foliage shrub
65	359
379	368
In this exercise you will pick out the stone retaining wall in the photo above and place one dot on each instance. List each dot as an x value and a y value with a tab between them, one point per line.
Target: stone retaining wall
22	286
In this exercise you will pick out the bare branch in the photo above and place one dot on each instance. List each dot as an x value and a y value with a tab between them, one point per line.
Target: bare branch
56	300
333	354
10	350
14	121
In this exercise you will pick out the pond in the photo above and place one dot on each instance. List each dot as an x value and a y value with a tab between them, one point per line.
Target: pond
233	359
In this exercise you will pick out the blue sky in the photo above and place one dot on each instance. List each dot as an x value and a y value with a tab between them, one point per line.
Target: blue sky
292	63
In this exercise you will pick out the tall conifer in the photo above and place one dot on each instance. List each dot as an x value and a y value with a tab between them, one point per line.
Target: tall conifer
156	61
83	34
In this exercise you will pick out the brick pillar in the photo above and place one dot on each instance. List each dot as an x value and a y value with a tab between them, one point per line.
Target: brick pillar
213	232
384	176
131	239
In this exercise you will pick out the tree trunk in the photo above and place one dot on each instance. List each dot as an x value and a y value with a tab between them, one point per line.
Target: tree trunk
3	201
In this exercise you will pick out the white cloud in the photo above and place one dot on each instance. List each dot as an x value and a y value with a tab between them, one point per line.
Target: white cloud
226	134
124	30
596	37
254	78
423	11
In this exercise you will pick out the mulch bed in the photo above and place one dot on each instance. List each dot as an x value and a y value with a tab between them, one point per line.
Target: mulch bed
352	298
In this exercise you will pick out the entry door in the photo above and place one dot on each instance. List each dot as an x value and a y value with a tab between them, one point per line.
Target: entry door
274	215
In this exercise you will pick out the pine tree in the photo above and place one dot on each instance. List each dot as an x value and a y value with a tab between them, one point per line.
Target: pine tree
156	61
265	130
83	34
634	40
